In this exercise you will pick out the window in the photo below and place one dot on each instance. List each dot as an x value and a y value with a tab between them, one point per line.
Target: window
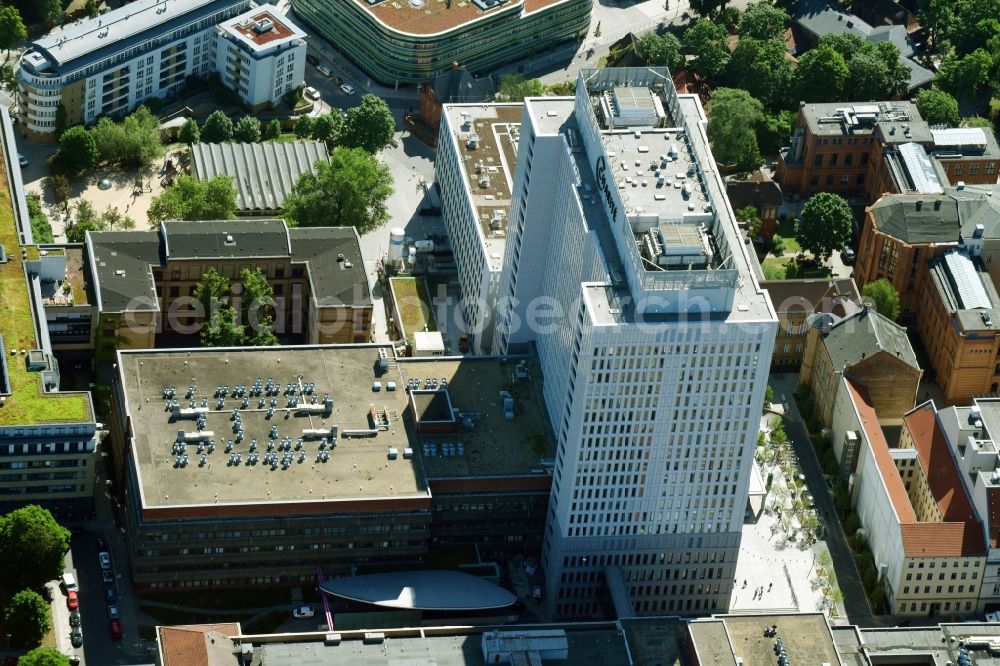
864	156
814	180
990	168
974	169
818	161
833	159
844	179
959	169
849	159
175	291
829	179
861	179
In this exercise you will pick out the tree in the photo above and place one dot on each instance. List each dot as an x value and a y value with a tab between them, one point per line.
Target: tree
41	230
970	26
935	16
189	132
963	77
708	8
762	20
113	220
214	288
732	115
11	28
768	395
884	296
748	216
846	44
77	152
132	143
221	328
869	76
26	618
773	131
86	220
825	224
328	128
706	41
272	131
257	309
61	190
977	121
730	18
938	107
898	73
821	75
660	50
247	130
44	656
218	128
349	190
91	8
762	68
51	10
514	88
31	534
304	127
191	199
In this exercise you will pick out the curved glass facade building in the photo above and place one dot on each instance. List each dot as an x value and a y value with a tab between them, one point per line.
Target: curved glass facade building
411	41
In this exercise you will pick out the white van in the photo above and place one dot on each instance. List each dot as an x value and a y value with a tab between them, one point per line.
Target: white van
68	581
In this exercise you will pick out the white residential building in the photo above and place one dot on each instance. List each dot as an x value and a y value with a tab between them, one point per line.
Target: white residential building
107	65
261	55
624	265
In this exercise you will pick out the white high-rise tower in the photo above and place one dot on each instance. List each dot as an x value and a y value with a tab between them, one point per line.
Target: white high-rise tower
624	265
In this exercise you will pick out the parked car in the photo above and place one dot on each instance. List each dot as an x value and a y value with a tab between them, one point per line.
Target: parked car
847	254
303	611
68	581
72	600
22	160
107	576
110	595
347	88
115	629
105	559
76	636
324	70
113	613
312	93
74	618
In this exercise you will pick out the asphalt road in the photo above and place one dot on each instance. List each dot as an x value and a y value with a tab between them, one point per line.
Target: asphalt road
855	600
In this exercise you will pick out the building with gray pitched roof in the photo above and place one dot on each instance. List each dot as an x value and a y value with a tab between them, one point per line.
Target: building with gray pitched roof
263	173
144	281
868	349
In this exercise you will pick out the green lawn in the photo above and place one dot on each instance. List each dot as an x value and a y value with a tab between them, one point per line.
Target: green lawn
786	229
27	403
413	303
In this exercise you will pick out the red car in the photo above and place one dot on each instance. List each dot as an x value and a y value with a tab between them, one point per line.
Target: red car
72	600
115	629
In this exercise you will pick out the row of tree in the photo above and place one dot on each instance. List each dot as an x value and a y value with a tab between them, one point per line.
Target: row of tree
369	126
29	534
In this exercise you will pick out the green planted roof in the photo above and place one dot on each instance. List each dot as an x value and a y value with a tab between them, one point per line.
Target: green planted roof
27	403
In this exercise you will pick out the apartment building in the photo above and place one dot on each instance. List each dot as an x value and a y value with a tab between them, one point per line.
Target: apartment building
795	301
109	64
919	524
867	150
414	41
259	466
261	56
959	323
624	267
47	437
477	152
144	281
870	350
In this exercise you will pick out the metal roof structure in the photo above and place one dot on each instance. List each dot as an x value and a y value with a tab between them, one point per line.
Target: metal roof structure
966	282
424	590
263	173
135	24
959	137
922	176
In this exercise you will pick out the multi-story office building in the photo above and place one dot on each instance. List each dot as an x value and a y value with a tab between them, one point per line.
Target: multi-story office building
867	150
256	466
959	324
412	41
477	151
47	437
143	283
903	232
625	267
107	65
261	56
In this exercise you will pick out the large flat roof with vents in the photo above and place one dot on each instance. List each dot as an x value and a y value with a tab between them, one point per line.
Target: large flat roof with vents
359	466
